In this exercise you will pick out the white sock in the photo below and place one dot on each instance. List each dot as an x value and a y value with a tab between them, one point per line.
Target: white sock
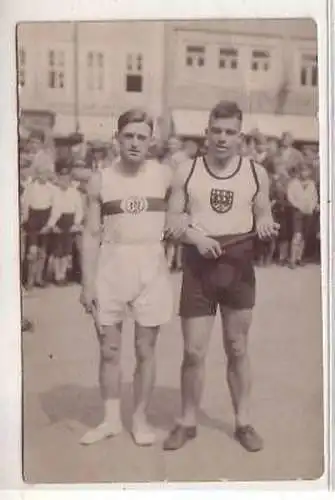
111	426
112	411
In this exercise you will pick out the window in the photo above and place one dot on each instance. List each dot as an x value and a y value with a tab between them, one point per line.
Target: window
228	58
95	63
309	70
134	73
22	61
56	71
195	56
260	60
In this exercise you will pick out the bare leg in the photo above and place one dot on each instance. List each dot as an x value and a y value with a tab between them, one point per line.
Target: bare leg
64	267
236	325
32	263
110	384
196	332
57	269
144	379
301	250
283	251
40	264
271	251
295	249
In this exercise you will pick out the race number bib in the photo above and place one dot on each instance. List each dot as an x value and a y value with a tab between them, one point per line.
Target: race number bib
134	205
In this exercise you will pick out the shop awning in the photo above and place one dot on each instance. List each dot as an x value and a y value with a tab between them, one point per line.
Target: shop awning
193	123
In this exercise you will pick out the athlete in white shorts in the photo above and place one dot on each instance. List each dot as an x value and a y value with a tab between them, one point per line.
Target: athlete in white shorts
124	268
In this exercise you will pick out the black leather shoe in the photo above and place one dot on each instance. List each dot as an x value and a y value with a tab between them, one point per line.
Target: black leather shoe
248	438
179	436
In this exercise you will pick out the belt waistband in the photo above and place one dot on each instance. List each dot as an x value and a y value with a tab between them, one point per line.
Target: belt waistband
134	205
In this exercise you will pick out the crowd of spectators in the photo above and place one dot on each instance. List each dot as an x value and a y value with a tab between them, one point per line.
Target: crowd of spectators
54	174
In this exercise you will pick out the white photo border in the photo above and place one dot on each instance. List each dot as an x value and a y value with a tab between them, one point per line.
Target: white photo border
15	11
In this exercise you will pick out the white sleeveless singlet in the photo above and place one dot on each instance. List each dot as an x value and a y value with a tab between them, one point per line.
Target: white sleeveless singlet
134	206
223	205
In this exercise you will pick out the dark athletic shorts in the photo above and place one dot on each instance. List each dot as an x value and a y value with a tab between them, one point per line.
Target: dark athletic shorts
302	223
63	242
37	219
228	281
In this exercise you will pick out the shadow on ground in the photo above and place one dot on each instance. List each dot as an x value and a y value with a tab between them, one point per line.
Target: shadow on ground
84	405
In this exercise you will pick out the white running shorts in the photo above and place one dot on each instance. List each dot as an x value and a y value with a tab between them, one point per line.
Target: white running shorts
133	277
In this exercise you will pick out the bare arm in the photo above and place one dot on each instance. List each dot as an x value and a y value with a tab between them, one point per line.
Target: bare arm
56	209
79	210
91	241
262	204
179	224
266	227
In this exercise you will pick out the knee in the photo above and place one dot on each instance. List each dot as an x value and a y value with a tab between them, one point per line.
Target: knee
194	356
144	352
110	351
236	347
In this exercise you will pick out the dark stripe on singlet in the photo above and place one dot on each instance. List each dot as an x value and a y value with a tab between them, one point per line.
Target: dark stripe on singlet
222	177
115	207
187	196
253	169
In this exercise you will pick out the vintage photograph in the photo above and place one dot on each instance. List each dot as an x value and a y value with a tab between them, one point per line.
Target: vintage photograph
169	181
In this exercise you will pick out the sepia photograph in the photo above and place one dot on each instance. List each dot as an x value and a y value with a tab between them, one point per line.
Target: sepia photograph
169	185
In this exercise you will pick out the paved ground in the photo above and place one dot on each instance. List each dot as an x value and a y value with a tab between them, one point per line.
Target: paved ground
61	397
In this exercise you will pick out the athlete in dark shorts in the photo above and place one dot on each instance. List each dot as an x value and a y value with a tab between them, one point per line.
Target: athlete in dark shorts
218	199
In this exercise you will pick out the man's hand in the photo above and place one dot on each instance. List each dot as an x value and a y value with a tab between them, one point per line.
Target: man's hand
87	299
267	228
76	228
46	229
176	226
208	247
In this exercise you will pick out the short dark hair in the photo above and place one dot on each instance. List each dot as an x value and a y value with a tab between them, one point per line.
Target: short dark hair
134	116
63	167
226	109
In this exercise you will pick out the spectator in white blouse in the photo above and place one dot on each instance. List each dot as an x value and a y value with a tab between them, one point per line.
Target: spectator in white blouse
303	198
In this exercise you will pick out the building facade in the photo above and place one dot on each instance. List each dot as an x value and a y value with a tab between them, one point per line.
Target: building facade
88	73
268	66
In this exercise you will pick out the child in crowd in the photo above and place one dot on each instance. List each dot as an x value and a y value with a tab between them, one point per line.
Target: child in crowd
281	209
303	198
65	222
37	202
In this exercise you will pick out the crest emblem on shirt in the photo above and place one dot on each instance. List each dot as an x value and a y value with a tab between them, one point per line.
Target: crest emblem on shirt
134	205
221	200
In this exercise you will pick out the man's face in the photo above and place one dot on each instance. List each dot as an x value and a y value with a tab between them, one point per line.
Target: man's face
42	175
287	140
223	137
304	173
272	147
134	141
34	145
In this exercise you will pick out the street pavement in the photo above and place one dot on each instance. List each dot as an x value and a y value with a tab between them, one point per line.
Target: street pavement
61	395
